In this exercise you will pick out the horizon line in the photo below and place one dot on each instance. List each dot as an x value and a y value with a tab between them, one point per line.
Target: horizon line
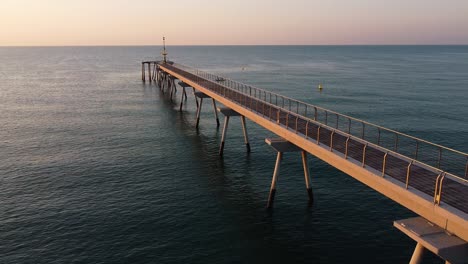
217	45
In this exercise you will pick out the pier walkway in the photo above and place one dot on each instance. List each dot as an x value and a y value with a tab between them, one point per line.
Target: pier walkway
429	179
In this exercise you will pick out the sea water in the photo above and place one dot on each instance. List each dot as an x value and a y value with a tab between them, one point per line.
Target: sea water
98	167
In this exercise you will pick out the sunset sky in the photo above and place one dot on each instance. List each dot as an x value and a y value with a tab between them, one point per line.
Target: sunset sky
239	22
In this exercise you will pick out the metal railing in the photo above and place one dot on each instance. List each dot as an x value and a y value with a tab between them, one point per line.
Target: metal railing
433	169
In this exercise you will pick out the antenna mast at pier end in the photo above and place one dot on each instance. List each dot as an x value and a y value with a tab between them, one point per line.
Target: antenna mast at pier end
164	53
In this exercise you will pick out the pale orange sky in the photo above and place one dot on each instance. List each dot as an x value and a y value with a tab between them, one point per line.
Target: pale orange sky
209	22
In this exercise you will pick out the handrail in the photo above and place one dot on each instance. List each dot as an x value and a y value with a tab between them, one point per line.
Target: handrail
290	120
287	102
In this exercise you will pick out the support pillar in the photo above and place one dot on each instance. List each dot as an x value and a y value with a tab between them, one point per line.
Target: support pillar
417	254
281	146
246	136
149	72
228	112
199	112
161	81
271	196
433	238
155	70
182	99
143	78
172	86
307	177
223	137
199	106
215	112
196	99
184	94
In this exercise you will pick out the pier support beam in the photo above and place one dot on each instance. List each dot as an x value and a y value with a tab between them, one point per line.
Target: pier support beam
305	165
274	179
143	78
184	94
199	107
171	86
417	254
155	70
246	136
162	80
430	237
149	72
281	145
228	112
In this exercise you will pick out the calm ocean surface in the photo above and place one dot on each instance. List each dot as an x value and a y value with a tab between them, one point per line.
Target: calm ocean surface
96	167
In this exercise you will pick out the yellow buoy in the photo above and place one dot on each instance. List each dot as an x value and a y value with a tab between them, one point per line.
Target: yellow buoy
320	87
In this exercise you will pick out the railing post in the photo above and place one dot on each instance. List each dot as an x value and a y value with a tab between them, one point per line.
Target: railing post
384	163
364	156
307	132
438	188
408	172
297	118
466	168
315	114
346	148
269	116
331	140
318	135
337	121
278	116
326	117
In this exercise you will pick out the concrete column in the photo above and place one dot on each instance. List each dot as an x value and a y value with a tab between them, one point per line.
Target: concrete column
417	254
271	196
149	72
198	112
215	112
163	81
182	99
173	87
155	70
196	99
223	137
307	177
246	136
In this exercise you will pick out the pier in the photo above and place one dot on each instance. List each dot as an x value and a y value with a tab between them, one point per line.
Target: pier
428	179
